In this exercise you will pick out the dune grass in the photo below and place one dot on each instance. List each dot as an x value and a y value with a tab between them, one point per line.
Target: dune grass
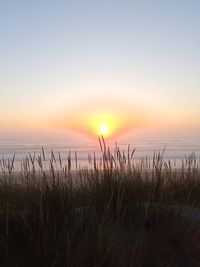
117	212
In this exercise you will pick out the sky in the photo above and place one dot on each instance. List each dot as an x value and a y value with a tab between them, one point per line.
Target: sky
67	65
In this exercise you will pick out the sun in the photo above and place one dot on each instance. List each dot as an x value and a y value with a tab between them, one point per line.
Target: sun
104	129
103	124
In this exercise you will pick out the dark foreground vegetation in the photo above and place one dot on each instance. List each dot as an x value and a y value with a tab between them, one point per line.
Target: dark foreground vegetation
120	213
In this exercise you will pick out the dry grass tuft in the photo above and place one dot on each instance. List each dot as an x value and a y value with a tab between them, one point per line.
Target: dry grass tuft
118	212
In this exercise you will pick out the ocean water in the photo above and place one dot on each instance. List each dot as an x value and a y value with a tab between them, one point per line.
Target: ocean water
174	149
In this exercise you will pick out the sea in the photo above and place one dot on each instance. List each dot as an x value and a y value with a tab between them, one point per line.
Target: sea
81	152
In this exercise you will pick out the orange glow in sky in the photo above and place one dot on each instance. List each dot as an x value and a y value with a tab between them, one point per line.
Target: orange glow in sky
100	119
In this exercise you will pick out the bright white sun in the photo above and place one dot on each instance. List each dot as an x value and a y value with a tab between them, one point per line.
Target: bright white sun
104	129
104	124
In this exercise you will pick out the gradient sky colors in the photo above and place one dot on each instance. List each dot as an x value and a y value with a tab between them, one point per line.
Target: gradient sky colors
64	63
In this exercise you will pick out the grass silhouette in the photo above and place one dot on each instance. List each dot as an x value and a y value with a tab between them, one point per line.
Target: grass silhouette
117	212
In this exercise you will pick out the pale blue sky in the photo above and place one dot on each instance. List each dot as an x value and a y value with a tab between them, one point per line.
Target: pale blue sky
57	56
